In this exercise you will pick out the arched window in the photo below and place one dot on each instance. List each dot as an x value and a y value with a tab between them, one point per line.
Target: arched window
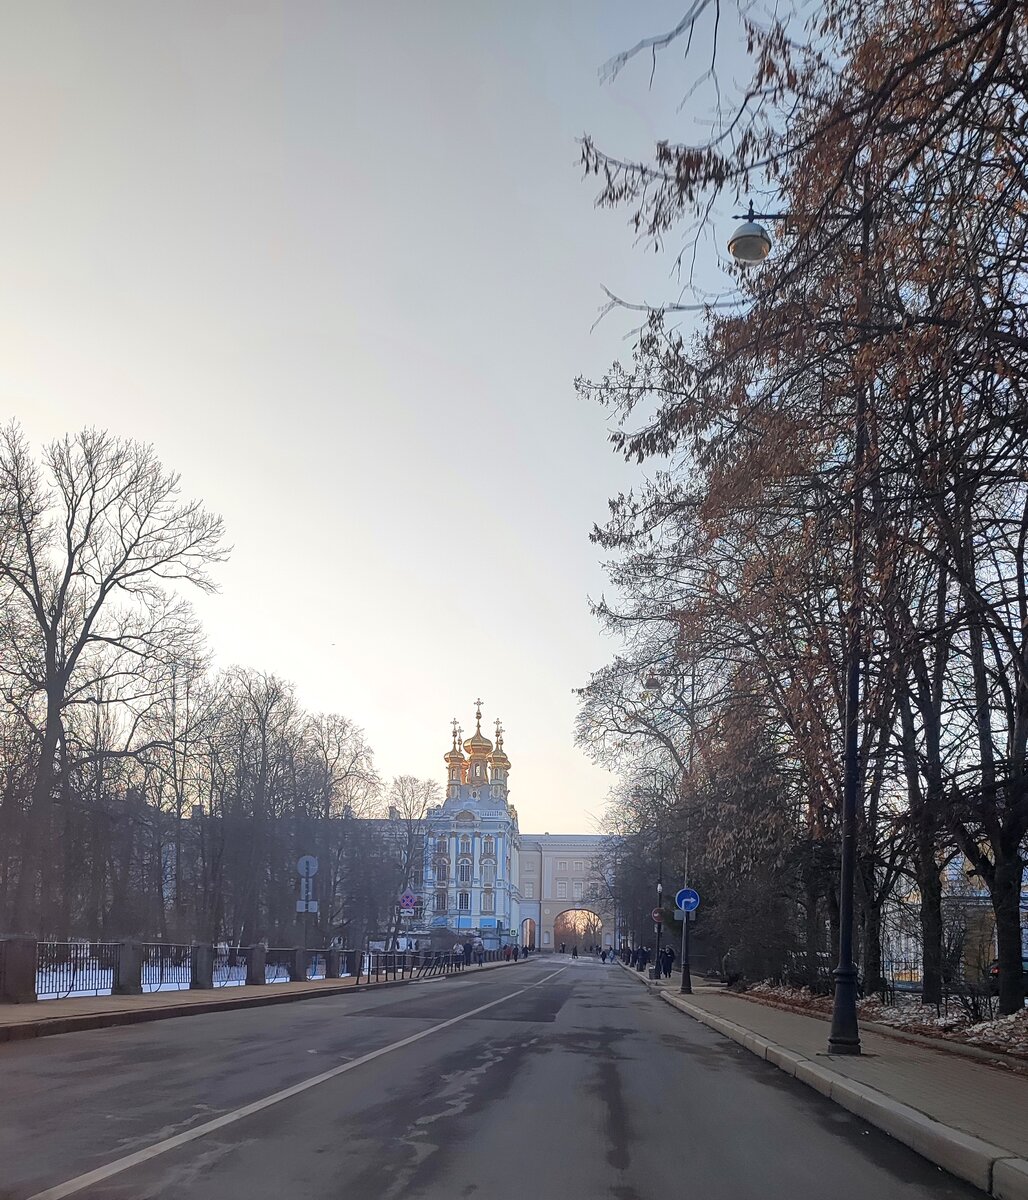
488	874
487	902
440	902
464	871
442	870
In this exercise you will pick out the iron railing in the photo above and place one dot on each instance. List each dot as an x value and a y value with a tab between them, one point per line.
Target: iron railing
166	966
277	964
230	965
76	968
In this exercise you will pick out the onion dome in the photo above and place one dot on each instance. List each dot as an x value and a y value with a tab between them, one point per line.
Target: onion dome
454	755
478	746
498	758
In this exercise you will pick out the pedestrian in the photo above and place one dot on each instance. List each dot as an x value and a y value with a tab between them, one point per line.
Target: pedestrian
563	947
574	951
515	954
479	949
669	960
506	953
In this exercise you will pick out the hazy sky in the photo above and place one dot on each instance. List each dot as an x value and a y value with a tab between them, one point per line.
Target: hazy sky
338	263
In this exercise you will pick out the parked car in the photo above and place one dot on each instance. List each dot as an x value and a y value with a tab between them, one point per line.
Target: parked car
994	973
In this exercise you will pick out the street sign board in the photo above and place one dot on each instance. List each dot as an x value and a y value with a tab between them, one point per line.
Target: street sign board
307	866
306	906
408	899
657	915
687	900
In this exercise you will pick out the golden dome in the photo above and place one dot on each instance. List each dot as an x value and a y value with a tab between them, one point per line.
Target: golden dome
454	755
498	758
478	746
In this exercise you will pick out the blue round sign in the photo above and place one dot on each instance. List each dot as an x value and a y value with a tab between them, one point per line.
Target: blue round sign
687	900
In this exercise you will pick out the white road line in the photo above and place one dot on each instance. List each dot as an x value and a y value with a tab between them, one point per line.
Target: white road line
71	1186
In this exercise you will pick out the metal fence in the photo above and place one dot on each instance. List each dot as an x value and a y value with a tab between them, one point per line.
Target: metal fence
166	966
76	968
230	965
317	964
277	964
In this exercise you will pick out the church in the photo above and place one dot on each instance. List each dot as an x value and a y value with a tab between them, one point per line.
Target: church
472	843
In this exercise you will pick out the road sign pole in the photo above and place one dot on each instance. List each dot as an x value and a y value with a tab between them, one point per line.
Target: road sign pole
686	988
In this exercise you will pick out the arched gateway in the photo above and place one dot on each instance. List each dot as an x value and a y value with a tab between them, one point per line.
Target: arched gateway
563	874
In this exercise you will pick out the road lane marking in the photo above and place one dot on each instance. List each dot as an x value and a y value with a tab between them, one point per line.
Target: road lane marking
71	1186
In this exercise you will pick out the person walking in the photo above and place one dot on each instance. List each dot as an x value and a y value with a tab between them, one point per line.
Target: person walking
574	951
563	947
669	960
515	954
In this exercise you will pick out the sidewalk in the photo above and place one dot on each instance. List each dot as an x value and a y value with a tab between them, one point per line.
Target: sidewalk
47	1017
967	1116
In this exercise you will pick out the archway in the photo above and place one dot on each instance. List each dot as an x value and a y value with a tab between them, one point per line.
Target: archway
579	927
528	933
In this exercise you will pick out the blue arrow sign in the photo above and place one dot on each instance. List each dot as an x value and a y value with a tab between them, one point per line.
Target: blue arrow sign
687	900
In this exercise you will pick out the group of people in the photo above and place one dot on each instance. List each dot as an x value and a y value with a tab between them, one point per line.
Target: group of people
473	950
641	956
602	954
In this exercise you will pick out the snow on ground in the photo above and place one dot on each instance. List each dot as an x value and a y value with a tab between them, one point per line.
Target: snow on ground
1004	1035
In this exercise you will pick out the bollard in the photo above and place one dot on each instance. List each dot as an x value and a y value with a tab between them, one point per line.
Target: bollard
17	970
130	970
202	975
256	960
333	962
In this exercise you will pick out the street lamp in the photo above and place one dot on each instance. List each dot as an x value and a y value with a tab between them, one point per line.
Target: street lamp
656	960
844	1037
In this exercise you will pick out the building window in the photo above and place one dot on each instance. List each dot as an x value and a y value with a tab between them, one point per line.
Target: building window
489	873
441	847
464	871
578	864
529	891
440	902
578	889
546	937
464	901
442	870
487	902
562	864
529	865
562	889
465	845
489	847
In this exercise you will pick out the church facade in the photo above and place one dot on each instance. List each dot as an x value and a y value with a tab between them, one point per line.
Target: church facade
484	878
472	844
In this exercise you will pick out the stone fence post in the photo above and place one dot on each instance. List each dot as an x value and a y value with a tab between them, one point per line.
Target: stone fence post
17	970
130	970
298	966
202	975
332	963
256	959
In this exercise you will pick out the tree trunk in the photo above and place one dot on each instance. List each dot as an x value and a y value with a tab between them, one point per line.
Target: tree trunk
1006	904
929	883
872	948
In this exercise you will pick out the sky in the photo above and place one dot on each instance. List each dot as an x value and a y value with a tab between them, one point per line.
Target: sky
337	262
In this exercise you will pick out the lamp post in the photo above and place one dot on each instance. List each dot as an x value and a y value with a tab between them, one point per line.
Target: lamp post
750	244
660	925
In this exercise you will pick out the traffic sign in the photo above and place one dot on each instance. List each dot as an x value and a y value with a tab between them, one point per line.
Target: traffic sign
306	906
408	899
657	915
307	865
687	900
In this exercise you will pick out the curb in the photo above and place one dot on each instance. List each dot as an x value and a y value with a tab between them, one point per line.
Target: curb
50	1026
991	1168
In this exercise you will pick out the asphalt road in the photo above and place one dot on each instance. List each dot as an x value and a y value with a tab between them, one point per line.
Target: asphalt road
570	1082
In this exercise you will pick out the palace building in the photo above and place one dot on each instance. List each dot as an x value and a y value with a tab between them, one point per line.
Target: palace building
483	877
472	843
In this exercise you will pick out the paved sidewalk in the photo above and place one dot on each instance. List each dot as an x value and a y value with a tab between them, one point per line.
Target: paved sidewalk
47	1017
969	1117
